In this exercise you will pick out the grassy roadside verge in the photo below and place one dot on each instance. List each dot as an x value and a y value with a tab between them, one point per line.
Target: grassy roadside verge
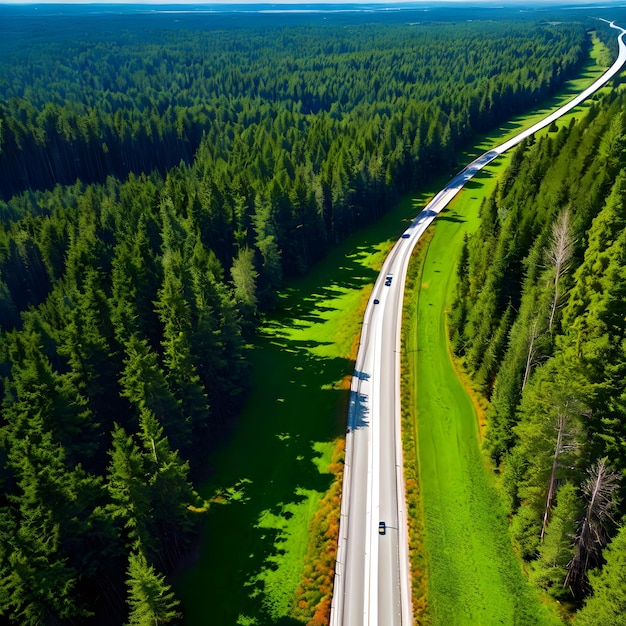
473	574
273	475
408	399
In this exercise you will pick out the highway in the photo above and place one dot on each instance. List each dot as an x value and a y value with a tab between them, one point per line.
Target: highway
372	576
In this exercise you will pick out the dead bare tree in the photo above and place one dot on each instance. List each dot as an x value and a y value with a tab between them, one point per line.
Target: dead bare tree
558	255
598	491
531	358
565	442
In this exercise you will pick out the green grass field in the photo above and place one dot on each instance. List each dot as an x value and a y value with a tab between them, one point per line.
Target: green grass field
474	577
269	478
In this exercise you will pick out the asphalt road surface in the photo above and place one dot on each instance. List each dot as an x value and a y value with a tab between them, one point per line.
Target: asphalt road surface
372	584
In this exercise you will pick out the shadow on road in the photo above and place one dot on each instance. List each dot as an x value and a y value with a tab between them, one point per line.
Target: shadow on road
358	416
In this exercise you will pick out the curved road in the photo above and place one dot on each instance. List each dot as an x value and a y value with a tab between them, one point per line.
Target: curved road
372	584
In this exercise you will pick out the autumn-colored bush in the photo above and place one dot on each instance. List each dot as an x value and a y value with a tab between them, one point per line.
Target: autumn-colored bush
417	556
314	594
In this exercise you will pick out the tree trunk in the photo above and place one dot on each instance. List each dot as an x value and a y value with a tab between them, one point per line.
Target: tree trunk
555	463
559	254
530	357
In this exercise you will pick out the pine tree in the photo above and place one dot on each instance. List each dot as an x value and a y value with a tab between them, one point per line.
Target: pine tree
557	549
56	533
591	538
35	388
549	434
170	493
150	598
130	493
607	603
244	278
93	355
596	326
558	257
271	274
144	384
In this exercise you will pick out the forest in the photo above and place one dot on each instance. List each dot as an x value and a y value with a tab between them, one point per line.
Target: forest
159	183
539	322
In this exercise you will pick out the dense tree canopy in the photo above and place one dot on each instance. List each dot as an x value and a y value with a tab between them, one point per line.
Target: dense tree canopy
144	98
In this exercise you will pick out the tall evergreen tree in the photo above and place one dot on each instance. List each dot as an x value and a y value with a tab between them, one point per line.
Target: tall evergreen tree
144	384
150	598
549	570
549	434
131	498
607	604
171	494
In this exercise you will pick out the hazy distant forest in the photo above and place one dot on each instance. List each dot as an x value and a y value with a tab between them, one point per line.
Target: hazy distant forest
159	182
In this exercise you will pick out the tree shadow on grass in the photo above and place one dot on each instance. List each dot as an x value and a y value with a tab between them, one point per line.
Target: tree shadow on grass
252	552
303	303
252	555
449	216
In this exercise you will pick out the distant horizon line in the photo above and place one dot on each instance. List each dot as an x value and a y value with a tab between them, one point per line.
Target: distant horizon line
476	3
303	6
